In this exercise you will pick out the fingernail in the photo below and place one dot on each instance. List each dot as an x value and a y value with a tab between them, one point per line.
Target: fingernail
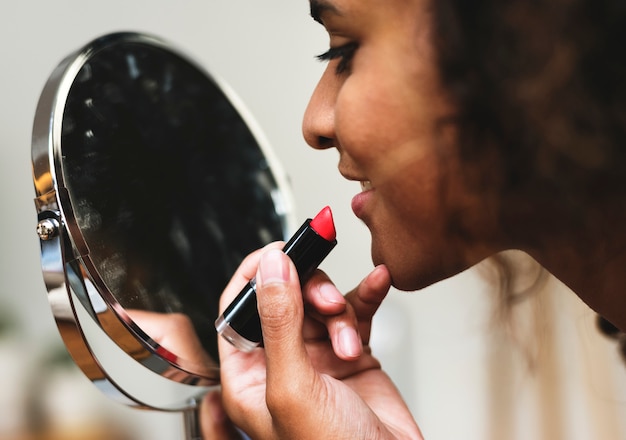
330	294
379	271
273	267
349	342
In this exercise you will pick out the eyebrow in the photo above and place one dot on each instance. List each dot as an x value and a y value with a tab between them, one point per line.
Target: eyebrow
320	7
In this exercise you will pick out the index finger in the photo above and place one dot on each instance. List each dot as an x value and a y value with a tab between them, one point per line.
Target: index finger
366	298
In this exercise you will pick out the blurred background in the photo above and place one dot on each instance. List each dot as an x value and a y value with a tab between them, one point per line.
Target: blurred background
464	371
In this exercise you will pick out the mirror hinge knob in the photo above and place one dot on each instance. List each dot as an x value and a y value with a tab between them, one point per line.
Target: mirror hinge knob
47	229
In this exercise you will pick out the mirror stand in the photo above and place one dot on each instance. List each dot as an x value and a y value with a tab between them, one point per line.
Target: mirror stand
152	184
114	373
191	423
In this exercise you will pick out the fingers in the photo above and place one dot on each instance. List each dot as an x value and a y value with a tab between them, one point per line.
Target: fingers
350	331
367	297
332	318
370	293
346	322
274	379
280	305
244	273
321	294
214	423
281	311
277	378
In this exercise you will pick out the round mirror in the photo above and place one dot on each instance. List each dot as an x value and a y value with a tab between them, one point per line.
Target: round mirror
152	184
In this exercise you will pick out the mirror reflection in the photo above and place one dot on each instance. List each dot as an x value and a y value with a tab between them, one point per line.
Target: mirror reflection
167	184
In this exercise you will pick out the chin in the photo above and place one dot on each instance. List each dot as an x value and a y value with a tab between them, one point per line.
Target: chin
413	281
407	275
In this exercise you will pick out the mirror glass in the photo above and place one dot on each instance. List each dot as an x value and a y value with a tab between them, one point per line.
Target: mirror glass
167	187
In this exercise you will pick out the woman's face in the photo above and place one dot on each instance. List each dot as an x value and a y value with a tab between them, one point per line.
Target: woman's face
381	105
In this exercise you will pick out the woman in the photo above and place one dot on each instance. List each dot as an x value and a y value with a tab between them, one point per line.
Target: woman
472	129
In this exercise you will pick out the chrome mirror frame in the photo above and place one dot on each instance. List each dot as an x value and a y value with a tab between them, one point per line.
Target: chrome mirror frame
77	294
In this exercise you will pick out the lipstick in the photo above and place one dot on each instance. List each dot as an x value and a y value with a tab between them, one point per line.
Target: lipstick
240	324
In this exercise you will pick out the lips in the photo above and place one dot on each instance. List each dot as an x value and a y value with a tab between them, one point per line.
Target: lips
359	201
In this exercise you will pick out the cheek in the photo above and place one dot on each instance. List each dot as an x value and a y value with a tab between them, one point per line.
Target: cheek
389	130
410	176
378	124
414	221
429	225
409	231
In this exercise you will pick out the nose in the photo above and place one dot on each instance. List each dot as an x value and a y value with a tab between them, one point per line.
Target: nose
318	125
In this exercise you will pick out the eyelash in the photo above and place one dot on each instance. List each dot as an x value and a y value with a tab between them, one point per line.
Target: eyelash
344	53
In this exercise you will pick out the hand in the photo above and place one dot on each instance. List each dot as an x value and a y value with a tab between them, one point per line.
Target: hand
176	334
175	331
315	377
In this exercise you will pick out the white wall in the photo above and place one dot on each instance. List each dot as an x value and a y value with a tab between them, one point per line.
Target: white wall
263	49
436	344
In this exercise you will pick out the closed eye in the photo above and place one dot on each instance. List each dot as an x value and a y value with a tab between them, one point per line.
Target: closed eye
343	53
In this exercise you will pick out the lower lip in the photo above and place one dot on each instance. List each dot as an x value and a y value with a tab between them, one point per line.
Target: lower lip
359	201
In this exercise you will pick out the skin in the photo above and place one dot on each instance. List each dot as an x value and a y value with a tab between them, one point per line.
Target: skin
309	382
324	354
388	116
431	214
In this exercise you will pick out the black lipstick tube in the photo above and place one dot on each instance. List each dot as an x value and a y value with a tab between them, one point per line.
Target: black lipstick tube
240	324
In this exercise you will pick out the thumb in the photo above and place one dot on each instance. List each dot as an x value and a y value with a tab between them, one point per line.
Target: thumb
281	311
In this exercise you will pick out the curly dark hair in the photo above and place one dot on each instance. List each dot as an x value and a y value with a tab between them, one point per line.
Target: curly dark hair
545	81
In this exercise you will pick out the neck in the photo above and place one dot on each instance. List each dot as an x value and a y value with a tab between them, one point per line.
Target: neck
588	256
598	278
